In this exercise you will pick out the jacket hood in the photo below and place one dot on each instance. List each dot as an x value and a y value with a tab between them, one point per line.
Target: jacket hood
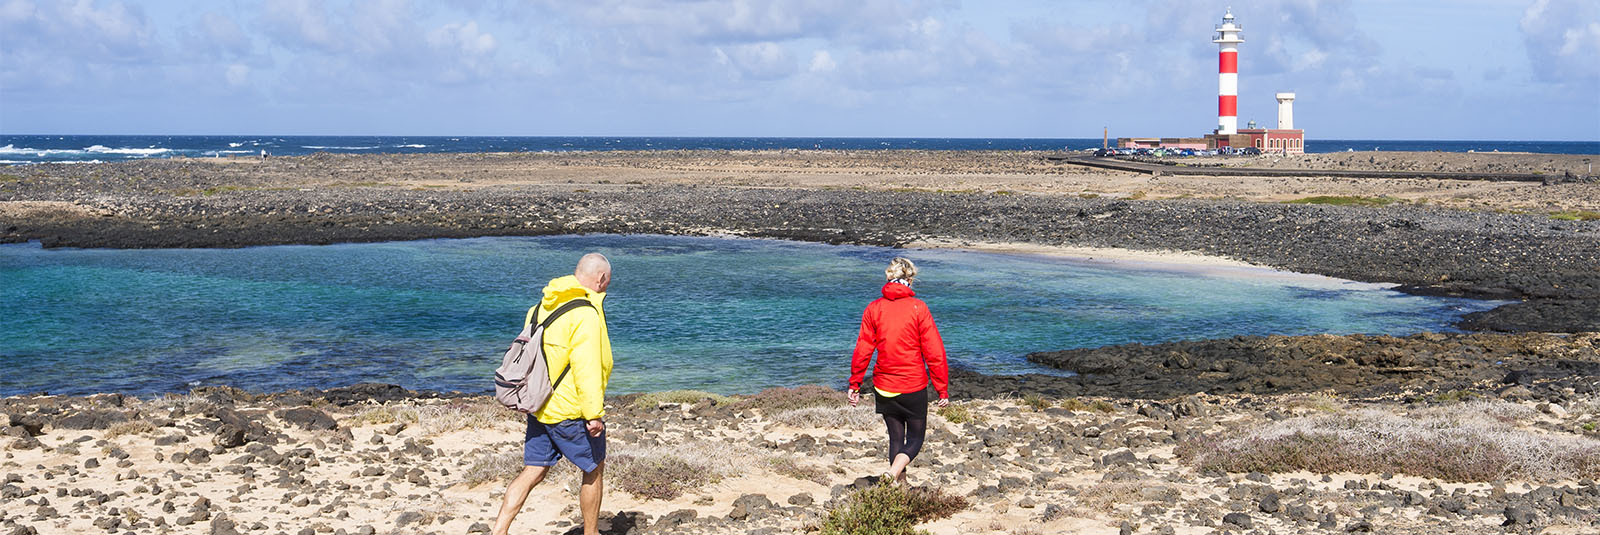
895	290
563	289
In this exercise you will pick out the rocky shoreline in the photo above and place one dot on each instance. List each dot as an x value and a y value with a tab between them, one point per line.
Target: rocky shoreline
1552	265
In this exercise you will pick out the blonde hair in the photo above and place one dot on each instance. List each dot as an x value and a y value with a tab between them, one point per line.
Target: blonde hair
901	268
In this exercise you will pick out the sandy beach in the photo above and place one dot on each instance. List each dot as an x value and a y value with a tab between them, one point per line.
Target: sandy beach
1125	446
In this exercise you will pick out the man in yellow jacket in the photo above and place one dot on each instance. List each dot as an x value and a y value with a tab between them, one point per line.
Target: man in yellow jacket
570	424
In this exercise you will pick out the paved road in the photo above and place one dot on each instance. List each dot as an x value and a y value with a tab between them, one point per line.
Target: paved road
1163	169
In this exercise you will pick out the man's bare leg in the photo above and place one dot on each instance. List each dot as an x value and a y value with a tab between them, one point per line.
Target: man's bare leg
516	494
897	469
589	498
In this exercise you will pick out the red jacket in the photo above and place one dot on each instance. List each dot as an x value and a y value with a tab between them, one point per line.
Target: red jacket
901	330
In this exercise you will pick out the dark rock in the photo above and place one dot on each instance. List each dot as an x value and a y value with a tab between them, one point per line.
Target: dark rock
745	505
673	520
1238	519
91	419
801	500
374	392
308	418
1269	503
229	437
408	517
1120	457
1518	515
221	525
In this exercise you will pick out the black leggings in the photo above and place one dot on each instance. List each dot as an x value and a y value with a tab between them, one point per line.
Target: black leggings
905	435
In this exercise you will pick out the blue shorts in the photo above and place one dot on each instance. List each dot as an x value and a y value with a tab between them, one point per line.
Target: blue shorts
545	444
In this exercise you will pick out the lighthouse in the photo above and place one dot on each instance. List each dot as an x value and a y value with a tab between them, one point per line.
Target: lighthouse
1227	41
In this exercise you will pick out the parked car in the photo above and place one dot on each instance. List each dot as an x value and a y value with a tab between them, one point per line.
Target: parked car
1251	151
1101	153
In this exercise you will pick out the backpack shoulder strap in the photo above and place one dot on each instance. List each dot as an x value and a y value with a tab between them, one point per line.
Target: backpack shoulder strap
563	309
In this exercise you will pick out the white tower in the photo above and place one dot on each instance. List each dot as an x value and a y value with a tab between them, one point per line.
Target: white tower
1227	41
1285	111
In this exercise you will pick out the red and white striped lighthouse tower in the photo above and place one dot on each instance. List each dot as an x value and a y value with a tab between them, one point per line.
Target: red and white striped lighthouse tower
1228	75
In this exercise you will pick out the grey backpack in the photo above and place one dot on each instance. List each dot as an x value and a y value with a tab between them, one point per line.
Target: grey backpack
522	382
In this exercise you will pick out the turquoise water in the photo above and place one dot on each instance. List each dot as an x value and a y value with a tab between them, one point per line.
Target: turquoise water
726	315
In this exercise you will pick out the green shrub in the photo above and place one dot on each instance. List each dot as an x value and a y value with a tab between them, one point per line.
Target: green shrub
888	509
780	399
653	399
1036	402
1575	215
1455	396
1346	200
956	414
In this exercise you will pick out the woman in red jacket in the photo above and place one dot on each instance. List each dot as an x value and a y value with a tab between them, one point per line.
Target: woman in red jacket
910	355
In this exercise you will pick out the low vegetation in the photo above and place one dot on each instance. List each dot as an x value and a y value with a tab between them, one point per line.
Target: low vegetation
1105	496
887	509
842	417
1575	215
1472	441
665	472
1078	405
658	477
134	427
1346	200
436	419
655	399
1036	402
492	467
784	465
955	413
779	399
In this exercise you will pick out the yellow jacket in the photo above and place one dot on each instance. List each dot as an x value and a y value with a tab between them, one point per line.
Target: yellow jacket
578	338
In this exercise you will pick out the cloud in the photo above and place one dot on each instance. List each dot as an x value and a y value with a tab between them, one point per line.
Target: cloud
54	44
1563	40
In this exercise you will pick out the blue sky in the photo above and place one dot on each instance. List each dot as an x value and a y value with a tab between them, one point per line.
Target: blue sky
1362	69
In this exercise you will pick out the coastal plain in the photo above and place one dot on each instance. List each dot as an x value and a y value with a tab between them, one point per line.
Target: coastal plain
1119	448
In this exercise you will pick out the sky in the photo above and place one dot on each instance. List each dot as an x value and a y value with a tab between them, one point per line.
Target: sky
1361	69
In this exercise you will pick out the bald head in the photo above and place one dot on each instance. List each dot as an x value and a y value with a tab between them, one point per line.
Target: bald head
594	272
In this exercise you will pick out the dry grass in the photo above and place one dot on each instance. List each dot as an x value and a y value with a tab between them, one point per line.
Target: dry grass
179	403
492	467
1315	402
1078	405
843	417
786	466
436	419
779	399
1105	497
1474	441
654	399
670	470
134	427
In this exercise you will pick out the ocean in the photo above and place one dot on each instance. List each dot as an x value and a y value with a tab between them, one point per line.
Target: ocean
718	314
29	149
